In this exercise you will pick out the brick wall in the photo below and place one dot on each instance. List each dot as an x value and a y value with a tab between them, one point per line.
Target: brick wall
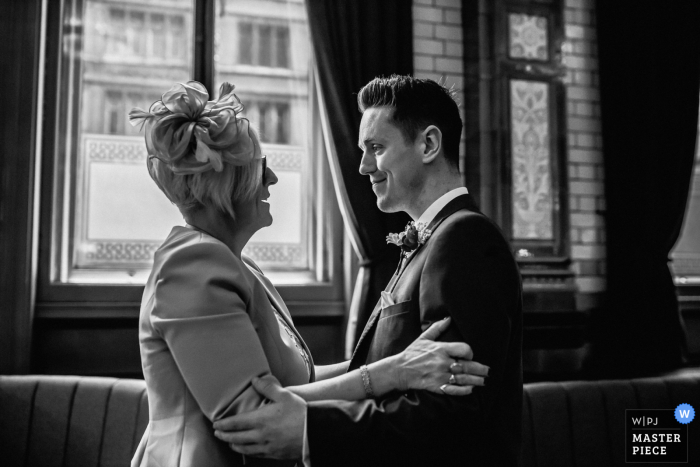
438	53
586	197
437	44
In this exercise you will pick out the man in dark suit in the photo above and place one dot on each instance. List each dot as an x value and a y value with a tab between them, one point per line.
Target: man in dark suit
454	262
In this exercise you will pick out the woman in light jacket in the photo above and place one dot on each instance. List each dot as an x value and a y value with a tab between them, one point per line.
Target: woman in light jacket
210	320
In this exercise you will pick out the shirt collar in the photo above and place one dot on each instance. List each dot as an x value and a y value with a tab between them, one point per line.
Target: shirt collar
433	210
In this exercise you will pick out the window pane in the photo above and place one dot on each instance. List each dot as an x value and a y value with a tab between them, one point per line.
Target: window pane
159	35
282	47
179	40
245	43
136	26
115	31
685	255
283	123
531	164
265	46
110	216
275	92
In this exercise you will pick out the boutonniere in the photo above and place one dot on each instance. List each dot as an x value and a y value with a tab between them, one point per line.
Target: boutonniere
416	233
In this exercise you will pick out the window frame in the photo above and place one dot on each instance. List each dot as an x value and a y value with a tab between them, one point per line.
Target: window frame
551	73
553	316
324	297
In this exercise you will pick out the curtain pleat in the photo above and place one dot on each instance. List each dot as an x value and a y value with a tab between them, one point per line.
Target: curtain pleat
649	57
355	41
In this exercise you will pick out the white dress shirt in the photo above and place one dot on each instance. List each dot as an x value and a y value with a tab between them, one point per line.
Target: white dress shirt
433	210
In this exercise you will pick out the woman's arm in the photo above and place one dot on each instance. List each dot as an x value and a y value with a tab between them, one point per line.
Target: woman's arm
349	386
200	312
324	372
425	364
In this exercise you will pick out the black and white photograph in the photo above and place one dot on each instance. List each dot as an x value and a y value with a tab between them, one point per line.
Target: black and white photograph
349	233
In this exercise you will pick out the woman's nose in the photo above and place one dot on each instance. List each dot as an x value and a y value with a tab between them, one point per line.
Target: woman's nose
270	177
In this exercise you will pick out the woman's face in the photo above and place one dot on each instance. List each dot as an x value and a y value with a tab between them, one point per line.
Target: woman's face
254	214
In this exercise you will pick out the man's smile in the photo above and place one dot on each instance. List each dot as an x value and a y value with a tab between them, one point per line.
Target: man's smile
377	182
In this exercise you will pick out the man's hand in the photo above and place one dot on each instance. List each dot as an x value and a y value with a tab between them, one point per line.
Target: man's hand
275	430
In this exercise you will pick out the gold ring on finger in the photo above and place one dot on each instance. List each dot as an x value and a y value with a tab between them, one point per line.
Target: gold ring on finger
452	380
456	367
442	388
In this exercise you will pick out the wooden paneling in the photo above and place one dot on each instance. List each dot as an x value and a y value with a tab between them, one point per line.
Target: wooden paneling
100	346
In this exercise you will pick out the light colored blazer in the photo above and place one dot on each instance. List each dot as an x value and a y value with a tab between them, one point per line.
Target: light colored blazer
206	328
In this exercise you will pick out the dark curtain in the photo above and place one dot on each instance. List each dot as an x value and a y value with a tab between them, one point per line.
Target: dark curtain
649	80
20	38
355	41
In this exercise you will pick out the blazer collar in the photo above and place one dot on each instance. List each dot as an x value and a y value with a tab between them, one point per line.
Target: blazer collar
277	302
461	202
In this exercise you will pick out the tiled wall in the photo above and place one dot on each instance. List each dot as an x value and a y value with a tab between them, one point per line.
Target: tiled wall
438	50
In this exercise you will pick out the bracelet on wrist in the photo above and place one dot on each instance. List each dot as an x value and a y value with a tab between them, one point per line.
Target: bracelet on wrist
366	381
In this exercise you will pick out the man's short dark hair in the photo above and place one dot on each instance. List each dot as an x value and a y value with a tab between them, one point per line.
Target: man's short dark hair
417	103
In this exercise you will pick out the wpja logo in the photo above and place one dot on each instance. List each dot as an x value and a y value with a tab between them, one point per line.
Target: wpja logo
658	435
684	413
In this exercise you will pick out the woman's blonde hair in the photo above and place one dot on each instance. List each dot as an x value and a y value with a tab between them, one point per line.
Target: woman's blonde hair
190	192
200	151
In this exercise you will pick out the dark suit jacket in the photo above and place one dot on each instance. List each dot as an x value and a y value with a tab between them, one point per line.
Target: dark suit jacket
465	270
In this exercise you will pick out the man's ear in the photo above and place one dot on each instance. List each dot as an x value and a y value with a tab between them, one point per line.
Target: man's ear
432	143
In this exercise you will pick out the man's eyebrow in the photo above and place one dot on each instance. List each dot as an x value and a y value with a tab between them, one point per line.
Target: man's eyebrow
363	144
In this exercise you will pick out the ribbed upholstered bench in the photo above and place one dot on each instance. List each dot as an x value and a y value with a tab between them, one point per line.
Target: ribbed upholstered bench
70	420
83	421
582	423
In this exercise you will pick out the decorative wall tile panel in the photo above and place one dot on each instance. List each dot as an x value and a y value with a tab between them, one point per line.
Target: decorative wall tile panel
531	162
528	37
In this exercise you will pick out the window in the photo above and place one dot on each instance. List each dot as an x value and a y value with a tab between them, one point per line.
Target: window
685	255
534	155
261	44
104	217
136	32
685	263
245	43
517	164
273	120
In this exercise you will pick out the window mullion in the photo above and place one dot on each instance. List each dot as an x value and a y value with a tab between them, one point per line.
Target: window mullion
204	43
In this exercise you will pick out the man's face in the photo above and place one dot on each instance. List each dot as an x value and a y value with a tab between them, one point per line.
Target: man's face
393	164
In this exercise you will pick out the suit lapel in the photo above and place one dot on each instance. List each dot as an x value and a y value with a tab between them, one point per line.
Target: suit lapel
363	342
277	302
460	202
